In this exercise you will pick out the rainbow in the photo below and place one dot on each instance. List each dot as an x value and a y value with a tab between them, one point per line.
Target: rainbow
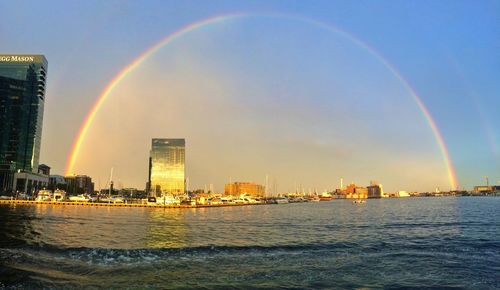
124	72
217	19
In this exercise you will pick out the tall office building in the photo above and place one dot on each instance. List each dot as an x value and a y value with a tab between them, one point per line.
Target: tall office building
22	97
166	167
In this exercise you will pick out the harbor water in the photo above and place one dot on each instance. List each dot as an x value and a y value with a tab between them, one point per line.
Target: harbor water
422	243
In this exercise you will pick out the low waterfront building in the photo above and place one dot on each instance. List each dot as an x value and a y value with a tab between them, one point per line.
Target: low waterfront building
361	192
29	183
79	184
249	188
486	188
57	182
354	191
131	193
375	190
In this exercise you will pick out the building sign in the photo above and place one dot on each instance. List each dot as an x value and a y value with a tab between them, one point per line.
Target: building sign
18	58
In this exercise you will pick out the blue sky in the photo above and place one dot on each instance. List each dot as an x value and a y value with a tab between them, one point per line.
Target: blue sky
447	51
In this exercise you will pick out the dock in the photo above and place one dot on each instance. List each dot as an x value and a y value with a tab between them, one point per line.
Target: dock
127	205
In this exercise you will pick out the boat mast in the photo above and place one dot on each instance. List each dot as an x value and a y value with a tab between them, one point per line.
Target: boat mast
266	192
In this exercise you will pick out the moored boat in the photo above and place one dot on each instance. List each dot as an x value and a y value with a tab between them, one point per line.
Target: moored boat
44	195
325	196
315	199
168	199
359	201
79	198
59	195
112	199
281	200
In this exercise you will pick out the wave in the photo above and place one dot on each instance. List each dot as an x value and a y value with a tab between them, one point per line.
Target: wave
47	252
82	256
198	249
41	266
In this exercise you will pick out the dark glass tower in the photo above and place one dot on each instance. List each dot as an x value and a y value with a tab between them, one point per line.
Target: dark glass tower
22	97
166	167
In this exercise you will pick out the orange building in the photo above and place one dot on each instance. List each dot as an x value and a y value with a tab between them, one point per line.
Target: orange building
250	188
353	191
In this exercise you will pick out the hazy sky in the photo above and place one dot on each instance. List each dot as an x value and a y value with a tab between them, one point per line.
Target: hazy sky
270	93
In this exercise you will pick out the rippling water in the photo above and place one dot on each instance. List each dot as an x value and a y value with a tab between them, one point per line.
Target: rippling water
388	243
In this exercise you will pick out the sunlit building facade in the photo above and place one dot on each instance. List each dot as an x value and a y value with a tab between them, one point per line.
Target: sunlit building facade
353	191
167	167
22	98
250	188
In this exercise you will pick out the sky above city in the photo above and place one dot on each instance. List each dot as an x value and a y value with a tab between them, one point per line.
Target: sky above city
405	93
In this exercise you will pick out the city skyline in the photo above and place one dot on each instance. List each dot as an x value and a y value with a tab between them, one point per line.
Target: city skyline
298	111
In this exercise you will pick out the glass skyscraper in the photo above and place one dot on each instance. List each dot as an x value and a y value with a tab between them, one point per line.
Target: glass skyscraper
22	97
167	167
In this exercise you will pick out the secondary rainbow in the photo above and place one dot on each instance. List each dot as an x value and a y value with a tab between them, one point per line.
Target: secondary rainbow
217	19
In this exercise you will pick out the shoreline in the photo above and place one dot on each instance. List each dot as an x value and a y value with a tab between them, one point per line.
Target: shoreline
140	205
103	204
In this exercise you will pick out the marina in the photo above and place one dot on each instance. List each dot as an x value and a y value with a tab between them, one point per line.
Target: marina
121	204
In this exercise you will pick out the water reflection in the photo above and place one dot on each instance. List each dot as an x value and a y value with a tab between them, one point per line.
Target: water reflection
293	224
166	228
